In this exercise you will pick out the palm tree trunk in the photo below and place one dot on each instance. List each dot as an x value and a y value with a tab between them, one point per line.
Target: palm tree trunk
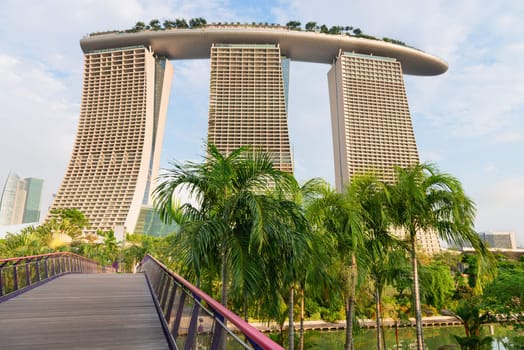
244	306
349	323
416	295
291	326
350	303
225	277
302	307
224	298
378	323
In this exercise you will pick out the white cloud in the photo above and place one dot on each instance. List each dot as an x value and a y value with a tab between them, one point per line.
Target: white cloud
38	122
491	168
508	137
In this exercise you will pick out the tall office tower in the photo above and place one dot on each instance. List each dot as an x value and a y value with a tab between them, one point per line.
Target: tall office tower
247	103
20	201
10	201
370	117
371	124
33	189
117	148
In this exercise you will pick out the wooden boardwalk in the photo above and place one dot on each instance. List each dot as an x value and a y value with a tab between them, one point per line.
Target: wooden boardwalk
83	311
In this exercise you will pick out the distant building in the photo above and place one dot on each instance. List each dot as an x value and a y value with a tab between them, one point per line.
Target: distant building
33	189
149	223
499	240
20	201
494	240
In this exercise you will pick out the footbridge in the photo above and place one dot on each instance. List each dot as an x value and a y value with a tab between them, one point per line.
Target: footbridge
65	301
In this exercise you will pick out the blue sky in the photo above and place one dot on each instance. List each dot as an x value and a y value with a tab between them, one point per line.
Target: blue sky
469	120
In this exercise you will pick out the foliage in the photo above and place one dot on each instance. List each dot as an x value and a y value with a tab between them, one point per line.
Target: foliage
241	223
293	24
197	22
504	296
200	22
437	285
73	215
311	26
474	342
424	199
472	317
273	240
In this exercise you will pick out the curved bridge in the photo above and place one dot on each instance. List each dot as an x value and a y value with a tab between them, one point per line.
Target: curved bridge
88	309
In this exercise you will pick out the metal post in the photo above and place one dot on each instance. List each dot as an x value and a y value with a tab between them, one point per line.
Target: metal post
46	274
178	317
170	302
1	282
15	278
160	287
59	266
165	293
27	274
218	333
37	267
52	267
156	278
190	338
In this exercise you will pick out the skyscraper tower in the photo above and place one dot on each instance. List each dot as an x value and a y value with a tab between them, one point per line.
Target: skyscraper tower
247	102
117	150
20	200
372	128
33	190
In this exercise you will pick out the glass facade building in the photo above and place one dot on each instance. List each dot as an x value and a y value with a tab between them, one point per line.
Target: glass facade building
20	201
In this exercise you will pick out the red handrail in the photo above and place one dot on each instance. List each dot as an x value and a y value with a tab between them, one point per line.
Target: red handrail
40	269
248	330
40	256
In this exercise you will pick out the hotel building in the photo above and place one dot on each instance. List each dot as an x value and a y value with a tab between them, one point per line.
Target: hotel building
124	99
247	102
370	117
116	154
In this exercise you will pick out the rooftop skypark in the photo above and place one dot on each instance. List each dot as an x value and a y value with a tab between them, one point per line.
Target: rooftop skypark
195	23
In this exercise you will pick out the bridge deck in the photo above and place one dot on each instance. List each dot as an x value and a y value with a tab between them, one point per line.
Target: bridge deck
83	311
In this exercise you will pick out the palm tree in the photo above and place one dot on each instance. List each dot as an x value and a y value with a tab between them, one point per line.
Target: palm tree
233	213
380	257
311	26
181	23
340	214
303	251
423	199
154	24
242	221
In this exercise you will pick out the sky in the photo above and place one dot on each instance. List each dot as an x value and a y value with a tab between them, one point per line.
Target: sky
469	121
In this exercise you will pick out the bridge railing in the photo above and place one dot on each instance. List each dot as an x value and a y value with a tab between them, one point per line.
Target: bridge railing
193	320
22	273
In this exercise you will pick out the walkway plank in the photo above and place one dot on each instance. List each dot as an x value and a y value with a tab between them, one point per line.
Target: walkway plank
83	311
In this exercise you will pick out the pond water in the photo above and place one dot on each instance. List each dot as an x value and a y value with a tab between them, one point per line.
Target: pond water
435	338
